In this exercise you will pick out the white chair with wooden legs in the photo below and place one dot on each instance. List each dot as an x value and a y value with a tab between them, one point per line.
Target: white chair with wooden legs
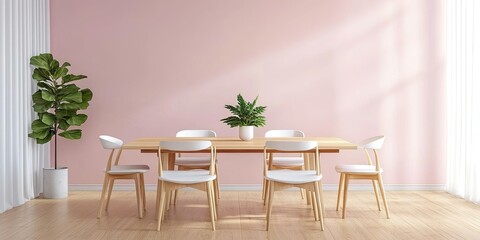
284	162
197	162
310	180
368	172
169	181
116	171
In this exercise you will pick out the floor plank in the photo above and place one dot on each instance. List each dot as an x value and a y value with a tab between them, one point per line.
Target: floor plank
241	215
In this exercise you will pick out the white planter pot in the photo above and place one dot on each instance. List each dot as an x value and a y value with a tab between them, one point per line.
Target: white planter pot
55	183
246	133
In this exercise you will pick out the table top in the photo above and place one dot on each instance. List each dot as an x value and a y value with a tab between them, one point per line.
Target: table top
222	144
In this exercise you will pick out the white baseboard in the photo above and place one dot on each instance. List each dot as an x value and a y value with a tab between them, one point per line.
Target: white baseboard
258	187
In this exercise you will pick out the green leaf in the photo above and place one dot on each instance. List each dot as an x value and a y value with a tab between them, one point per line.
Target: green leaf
84	105
62	113
45	85
41	108
40	134
38	125
70	78
37	97
71	134
76	97
54	66
40	74
70	106
48	96
41	61
62	124
77	120
48	118
68	89
87	95
46	139
60	73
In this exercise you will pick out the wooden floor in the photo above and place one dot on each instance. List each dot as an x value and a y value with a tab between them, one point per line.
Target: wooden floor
415	215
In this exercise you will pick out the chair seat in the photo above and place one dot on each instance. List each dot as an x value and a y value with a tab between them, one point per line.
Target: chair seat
187	177
292	176
128	169
357	169
288	161
192	161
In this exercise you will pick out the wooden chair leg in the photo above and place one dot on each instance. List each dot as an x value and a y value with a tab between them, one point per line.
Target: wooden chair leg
320	207
340	187
165	206
315	207
376	194
215	206
267	192
168	199
271	192
382	191
264	189
309	197
302	191
212	189
175	197
345	192
217	188
102	197
210	203
161	206
320	189
110	187
157	201
142	187
139	196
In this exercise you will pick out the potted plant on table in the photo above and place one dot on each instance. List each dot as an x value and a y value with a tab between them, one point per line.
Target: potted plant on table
246	116
57	103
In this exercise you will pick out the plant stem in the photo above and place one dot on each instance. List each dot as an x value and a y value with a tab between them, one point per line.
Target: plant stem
55	149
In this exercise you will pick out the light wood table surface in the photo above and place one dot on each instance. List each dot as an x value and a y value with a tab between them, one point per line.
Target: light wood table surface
235	145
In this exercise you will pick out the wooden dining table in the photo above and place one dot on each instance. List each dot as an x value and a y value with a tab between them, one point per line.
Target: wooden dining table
235	145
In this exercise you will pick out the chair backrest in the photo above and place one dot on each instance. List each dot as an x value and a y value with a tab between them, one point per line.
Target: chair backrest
284	133
109	142
375	144
186	146
291	146
196	133
372	143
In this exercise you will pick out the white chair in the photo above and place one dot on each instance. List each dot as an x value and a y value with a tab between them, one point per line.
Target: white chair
310	180
285	162
369	172
169	180
116	171
196	162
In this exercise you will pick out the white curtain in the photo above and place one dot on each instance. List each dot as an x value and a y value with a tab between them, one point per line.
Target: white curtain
24	32
463	98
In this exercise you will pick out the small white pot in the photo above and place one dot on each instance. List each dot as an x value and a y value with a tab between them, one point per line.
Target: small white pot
55	182
246	133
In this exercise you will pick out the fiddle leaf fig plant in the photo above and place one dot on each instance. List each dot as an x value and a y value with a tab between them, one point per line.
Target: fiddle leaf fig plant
57	101
245	113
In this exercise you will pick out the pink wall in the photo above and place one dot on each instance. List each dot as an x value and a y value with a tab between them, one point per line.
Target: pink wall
345	68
